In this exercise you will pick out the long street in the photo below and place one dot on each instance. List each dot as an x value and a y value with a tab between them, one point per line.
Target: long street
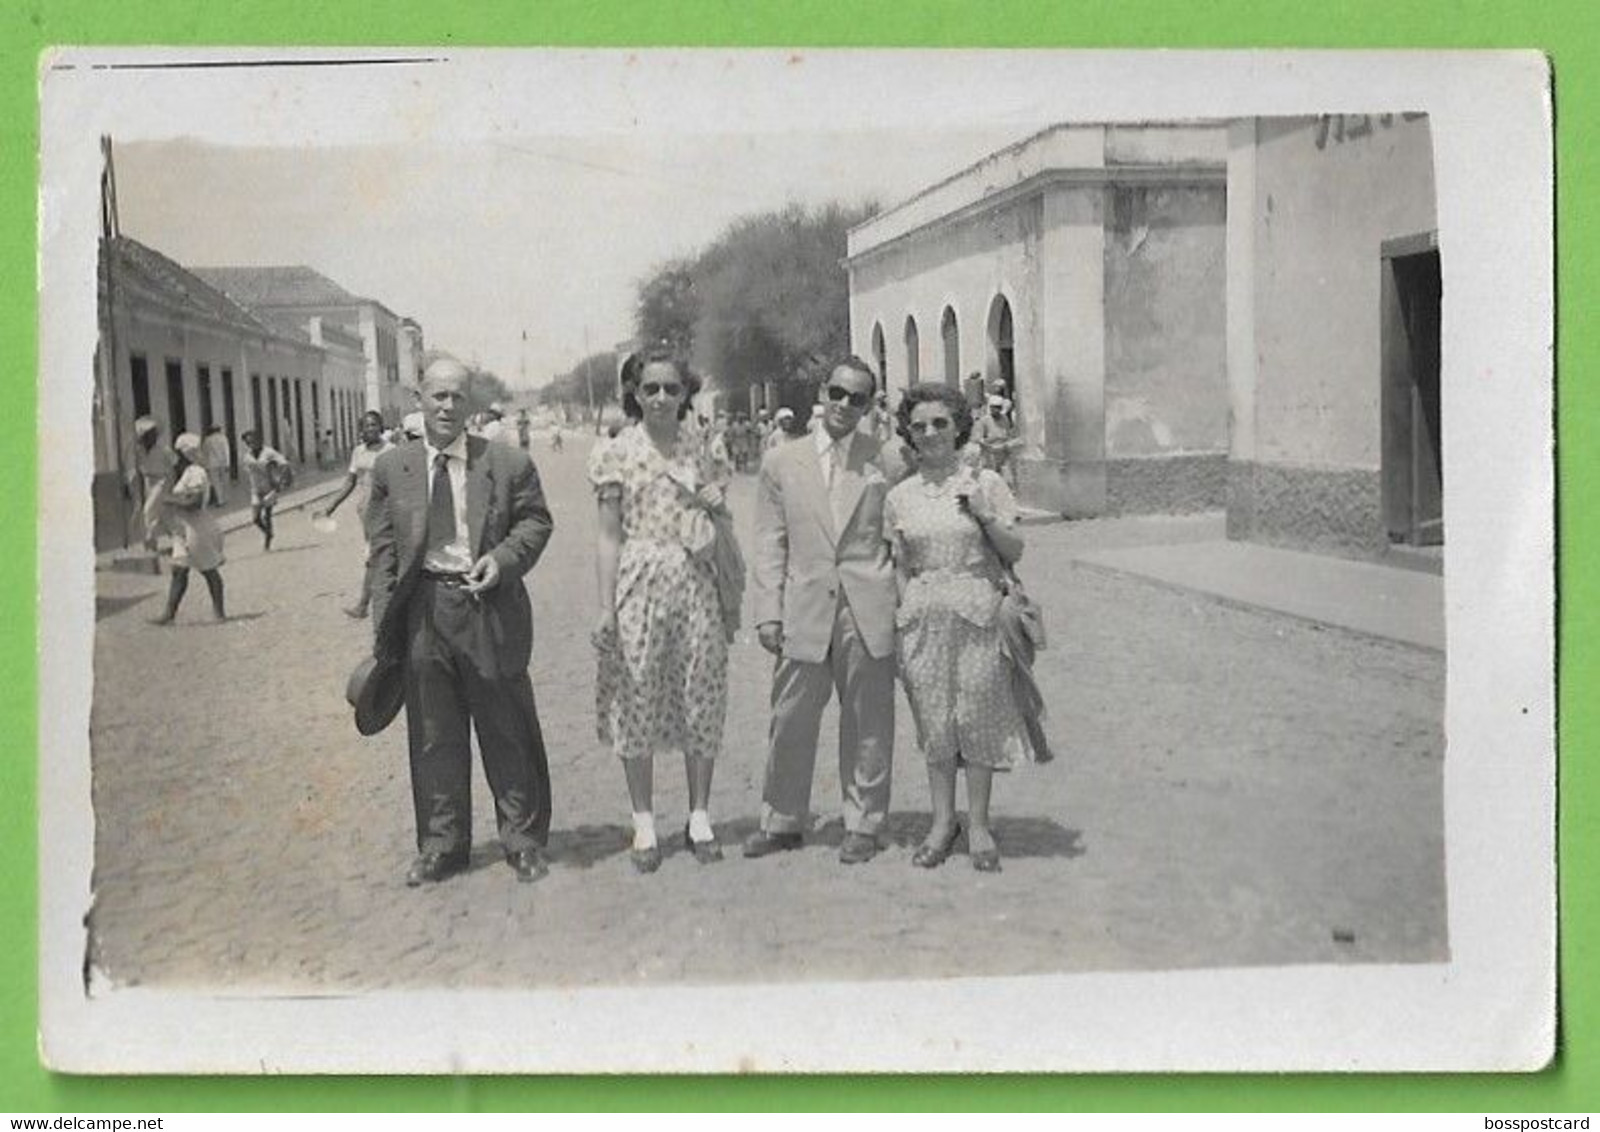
1233	788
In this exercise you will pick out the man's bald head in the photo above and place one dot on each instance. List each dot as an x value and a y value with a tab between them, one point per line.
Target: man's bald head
445	367
446	395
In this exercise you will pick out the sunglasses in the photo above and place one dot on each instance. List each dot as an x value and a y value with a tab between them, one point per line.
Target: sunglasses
937	424
857	400
670	388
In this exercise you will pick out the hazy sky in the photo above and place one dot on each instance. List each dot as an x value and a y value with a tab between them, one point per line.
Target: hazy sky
480	242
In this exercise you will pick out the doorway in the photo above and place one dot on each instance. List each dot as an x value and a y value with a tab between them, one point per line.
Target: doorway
177	411
1413	441
230	424
1002	367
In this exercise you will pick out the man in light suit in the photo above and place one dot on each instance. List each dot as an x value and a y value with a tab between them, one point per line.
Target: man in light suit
456	522
824	590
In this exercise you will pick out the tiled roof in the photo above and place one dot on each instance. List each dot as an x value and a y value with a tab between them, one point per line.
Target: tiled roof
180	286
296	286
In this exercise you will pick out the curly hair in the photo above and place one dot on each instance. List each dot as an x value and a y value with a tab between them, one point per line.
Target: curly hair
924	392
629	380
656	355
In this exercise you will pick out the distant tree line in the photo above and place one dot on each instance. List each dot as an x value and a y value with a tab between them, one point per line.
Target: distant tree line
570	391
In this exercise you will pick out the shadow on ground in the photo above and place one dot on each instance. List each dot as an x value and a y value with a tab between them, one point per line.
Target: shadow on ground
110	606
585	846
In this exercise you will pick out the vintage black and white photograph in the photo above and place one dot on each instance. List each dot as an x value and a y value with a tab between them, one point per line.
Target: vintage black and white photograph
776	561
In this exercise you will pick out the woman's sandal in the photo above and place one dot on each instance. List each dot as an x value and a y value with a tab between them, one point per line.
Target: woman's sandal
986	860
932	856
706	852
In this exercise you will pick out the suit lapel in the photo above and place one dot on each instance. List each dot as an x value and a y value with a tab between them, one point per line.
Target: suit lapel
854	483
479	485
817	487
414	477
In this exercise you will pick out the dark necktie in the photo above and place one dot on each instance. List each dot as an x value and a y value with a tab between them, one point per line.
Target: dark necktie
441	506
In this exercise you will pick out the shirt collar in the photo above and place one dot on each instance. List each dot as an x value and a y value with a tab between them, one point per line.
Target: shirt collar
826	443
456	449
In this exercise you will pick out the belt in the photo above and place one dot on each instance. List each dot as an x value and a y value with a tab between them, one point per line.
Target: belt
444	579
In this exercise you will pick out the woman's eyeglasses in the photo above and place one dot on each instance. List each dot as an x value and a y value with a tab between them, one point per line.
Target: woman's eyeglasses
652	388
857	400
937	424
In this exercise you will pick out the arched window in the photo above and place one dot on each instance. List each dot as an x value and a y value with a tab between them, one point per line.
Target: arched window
880	355
952	348
913	365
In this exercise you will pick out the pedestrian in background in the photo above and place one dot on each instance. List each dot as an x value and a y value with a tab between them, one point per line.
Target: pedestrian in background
150	472
493	428
356	482
955	536
783	428
218	457
456	523
661	637
268	473
995	438
197	540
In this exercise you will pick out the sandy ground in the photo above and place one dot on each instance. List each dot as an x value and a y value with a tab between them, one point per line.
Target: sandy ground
1234	788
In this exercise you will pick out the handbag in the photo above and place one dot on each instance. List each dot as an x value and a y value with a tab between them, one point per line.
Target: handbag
708	537
1021	623
1021	618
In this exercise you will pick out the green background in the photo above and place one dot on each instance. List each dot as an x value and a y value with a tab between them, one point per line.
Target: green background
1565	29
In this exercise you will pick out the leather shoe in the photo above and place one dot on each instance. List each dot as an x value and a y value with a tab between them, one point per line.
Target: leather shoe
930	856
706	852
430	868
858	848
763	844
646	861
528	864
986	860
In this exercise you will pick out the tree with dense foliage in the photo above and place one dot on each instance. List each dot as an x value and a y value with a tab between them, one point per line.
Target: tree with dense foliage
768	300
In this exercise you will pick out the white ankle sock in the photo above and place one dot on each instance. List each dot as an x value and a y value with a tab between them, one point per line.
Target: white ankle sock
644	831
700	826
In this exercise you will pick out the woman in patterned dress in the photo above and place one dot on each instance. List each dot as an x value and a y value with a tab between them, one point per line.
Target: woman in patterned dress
949	644
662	637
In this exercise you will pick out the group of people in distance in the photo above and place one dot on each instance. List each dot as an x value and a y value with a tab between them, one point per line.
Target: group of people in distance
179	487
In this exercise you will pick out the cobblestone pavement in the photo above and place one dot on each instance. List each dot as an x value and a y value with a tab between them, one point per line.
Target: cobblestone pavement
1233	788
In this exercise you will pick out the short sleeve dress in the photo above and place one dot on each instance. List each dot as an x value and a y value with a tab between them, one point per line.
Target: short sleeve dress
197	540
663	684
362	461
948	639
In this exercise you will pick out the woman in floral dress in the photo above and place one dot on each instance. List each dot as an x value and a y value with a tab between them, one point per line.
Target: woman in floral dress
949	641
662	636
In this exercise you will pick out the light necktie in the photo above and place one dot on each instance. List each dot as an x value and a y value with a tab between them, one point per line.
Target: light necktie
835	482
441	506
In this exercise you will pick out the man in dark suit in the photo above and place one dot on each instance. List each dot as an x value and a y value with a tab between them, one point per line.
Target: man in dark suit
456	523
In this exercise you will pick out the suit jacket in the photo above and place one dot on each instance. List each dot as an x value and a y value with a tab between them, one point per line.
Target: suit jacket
801	562
506	517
